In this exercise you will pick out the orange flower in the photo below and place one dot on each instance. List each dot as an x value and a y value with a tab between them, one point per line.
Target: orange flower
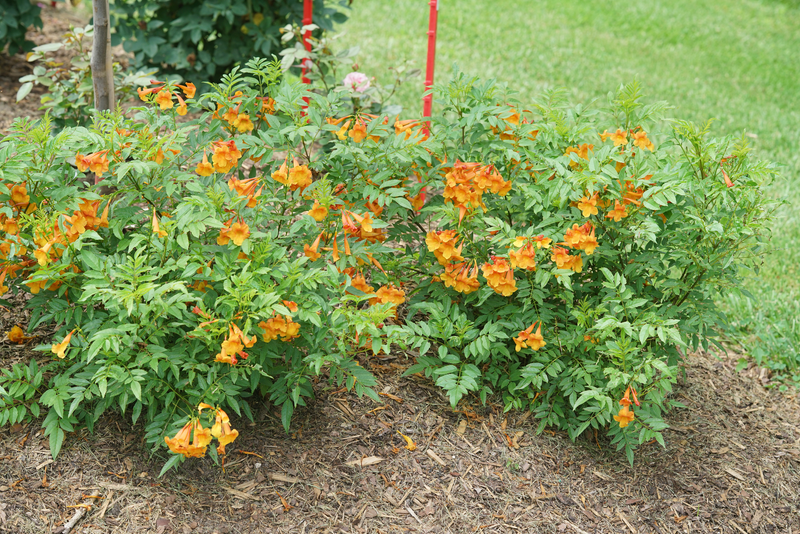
318	212
231	115
17	335
19	195
618	213
204	168
164	99
242	123
542	241
180	443
459	277
526	339
182	107
564	260
443	245
360	283
389	294
488	179
279	327
11	226
97	162
409	128
233	345
202	437
620	137
299	176
291	305
238	232
222	431
640	139
581	150
524	258
588	205
281	175
59	349
311	252
359	131
500	276
226	155
156	229
625	417
581	237
188	89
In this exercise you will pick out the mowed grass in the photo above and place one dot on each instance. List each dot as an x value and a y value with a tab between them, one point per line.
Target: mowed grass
737	61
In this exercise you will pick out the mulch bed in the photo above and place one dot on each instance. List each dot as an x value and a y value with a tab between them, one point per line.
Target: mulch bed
732	464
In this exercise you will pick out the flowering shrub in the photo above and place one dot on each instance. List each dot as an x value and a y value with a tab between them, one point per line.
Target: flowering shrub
218	261
601	247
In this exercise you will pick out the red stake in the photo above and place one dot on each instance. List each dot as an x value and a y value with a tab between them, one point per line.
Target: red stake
308	17
428	99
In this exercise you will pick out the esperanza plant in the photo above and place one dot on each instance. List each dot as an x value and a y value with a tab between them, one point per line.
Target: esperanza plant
196	267
594	243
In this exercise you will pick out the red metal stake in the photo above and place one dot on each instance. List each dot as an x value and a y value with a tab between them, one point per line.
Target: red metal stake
308	17
428	99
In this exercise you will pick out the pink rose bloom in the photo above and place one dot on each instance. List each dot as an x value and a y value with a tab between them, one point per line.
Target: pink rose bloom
356	81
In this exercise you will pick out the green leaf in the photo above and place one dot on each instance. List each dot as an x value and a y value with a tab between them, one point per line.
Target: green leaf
174	461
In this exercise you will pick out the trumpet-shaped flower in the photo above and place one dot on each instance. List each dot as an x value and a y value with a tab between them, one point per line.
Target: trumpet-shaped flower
588	205
318	212
204	168
164	99
618	213
640	139
624	417
529	339
60	349
620	137
222	431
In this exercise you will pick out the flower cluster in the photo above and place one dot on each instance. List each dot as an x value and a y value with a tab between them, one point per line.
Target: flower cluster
226	156
581	238
163	96
281	327
234	345
465	184
625	415
443	245
389	294
459	277
246	188
97	162
298	177
200	437
500	276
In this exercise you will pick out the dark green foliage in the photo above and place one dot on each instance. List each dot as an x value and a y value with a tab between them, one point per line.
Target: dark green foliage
203	40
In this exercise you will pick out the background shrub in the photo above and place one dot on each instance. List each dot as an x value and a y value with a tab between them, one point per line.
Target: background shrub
16	16
202	41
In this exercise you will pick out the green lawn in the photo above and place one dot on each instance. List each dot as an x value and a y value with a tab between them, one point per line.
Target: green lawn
737	61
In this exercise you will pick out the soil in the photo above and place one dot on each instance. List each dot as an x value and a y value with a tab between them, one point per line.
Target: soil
731	464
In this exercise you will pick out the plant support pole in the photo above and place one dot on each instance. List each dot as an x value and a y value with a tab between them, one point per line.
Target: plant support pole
102	71
427	100
308	18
